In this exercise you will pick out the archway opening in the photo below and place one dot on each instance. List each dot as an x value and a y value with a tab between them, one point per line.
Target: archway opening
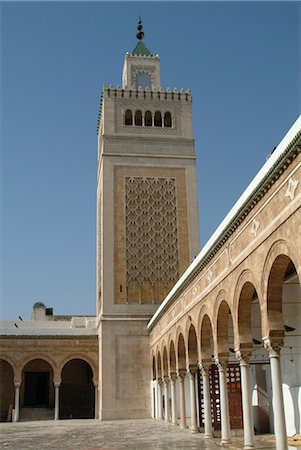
37	382
181	353
77	392
148	119
226	355
172	358
6	390
284	317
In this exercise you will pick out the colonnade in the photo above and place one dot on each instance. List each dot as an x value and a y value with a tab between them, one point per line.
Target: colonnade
167	386
17	386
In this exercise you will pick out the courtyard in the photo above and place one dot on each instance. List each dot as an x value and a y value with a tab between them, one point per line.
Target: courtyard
119	434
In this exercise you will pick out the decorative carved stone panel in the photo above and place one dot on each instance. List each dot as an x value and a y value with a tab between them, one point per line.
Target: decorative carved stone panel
152	259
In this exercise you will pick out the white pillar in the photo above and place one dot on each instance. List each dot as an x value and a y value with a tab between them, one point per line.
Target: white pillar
96	401
274	349
181	375
249	440
17	402
207	403
166	399
56	400
173	399
193	413
160	409
225	418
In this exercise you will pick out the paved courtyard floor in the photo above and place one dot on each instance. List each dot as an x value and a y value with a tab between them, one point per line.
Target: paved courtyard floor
112	435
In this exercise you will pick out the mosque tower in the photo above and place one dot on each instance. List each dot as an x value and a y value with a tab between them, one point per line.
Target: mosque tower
147	222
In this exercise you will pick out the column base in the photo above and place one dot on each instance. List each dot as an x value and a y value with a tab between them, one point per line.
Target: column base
193	430
208	436
248	447
183	426
225	442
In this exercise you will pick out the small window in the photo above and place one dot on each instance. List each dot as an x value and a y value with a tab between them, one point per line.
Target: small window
128	117
167	119
148	120
138	118
158	119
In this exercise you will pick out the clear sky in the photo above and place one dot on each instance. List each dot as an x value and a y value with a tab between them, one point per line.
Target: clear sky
241	61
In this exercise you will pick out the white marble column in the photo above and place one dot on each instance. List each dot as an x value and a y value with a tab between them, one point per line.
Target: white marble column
193	410
17	402
56	400
181	375
173	399
96	401
207	402
224	403
274	348
166	399
160	408
244	357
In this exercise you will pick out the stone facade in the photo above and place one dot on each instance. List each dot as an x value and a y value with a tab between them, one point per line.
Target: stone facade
147	223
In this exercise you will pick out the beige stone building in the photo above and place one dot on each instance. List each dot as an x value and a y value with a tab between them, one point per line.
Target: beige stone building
208	339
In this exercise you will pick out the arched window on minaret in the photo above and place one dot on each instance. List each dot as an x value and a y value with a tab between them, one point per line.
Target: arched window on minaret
158	119
138	118
148	119
167	119
128	117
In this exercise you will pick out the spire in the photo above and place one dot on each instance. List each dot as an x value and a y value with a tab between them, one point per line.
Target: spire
140	49
140	34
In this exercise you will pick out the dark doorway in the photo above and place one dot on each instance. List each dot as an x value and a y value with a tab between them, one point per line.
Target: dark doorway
36	389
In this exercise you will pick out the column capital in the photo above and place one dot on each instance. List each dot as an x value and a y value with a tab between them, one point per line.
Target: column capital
273	345
192	369
166	379
243	356
221	363
159	381
204	367
17	384
173	376
181	374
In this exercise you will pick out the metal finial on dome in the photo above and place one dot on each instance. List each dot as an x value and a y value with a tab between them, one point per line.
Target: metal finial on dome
139	34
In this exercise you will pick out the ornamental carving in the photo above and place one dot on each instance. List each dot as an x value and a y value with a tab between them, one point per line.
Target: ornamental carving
152	259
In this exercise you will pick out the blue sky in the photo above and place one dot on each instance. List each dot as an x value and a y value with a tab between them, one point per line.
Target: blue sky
241	61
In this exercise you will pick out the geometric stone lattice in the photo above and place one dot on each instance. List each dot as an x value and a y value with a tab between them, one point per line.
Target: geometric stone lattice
152	259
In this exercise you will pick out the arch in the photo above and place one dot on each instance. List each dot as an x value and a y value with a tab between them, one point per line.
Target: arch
206	339
79	356
7	390
154	367
37	388
148	119
172	357
158	119
43	357
222	330
248	295
77	392
128	117
282	268
192	346
165	362
138	118
159	365
273	270
181	350
167	120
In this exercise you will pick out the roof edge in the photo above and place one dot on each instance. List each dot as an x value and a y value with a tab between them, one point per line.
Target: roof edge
220	234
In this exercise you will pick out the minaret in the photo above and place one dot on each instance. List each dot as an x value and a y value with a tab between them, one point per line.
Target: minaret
147	221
